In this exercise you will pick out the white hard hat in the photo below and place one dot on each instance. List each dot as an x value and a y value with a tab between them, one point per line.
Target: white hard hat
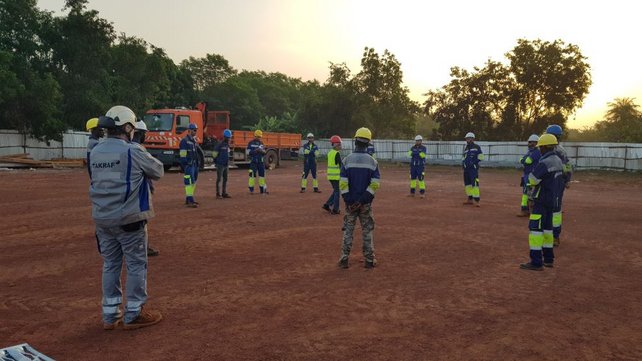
419	137
122	115
310	135
140	125
470	135
533	138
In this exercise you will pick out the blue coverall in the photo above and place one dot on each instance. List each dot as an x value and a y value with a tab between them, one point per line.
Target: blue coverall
529	161
472	156
417	156
310	153
189	163
256	150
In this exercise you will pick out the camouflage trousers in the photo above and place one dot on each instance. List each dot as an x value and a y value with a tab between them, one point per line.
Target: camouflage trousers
367	228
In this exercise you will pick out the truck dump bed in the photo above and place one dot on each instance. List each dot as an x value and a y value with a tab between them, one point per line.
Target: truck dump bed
240	139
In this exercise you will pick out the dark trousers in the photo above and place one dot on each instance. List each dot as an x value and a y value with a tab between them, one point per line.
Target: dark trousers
333	201
221	173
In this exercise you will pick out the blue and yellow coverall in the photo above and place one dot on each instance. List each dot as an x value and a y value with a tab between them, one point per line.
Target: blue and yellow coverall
189	163
547	182
310	153
417	156
529	161
472	156
256	150
359	181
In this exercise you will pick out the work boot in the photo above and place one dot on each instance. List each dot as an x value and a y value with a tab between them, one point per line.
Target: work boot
344	263
191	205
523	213
468	201
477	204
370	263
218	196
548	264
422	196
335	211
531	267
326	207
302	190
115	324
144	319
556	242
411	195
316	190
225	195
152	252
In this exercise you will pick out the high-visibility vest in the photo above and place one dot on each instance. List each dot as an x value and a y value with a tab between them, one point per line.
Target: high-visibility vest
334	170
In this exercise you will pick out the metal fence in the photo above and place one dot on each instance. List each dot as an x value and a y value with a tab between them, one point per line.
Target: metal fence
609	156
612	156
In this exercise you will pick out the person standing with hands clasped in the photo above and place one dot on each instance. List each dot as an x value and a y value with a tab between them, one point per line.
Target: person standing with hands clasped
256	151
189	164
472	156
221	156
121	206
417	156
359	181
310	154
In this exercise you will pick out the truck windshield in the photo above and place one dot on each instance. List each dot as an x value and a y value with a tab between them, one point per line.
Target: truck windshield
162	122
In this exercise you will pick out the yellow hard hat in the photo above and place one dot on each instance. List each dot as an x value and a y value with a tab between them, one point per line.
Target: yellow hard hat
363	133
91	124
547	139
258	133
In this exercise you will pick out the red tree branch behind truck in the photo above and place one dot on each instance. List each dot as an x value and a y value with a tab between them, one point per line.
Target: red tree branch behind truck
166	128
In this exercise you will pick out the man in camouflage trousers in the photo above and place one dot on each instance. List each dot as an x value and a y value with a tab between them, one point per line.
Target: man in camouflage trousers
358	183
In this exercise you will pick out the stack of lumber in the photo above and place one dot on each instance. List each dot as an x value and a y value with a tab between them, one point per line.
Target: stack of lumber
25	161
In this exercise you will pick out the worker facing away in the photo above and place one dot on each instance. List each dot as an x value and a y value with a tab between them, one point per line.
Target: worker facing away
358	183
221	156
256	151
556	131
547	183
334	175
417	155
470	162
189	164
121	206
528	161
310	154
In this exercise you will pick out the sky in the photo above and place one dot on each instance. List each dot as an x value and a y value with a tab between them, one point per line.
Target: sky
301	37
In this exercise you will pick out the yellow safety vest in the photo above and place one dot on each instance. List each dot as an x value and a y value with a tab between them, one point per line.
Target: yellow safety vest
334	170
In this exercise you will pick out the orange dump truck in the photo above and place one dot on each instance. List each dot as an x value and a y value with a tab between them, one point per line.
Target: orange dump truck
166	128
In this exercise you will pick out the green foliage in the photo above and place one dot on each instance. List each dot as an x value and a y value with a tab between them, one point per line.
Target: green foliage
544	83
209	71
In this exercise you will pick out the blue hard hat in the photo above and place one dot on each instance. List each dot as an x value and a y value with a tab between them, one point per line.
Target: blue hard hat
192	126
227	133
554	129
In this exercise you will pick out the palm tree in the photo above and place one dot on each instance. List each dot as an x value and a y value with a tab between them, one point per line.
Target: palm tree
622	109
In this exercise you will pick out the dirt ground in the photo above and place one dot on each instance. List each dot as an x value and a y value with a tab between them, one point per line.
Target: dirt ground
255	277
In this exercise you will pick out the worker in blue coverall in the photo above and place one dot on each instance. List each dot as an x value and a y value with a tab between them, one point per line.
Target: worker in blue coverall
417	156
256	151
556	130
221	156
470	162
310	154
528	161
189	164
546	182
358	183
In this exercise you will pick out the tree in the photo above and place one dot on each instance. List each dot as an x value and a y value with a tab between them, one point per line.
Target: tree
623	122
544	83
209	71
29	96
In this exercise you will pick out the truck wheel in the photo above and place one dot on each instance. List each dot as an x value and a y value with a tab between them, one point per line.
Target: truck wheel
271	159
